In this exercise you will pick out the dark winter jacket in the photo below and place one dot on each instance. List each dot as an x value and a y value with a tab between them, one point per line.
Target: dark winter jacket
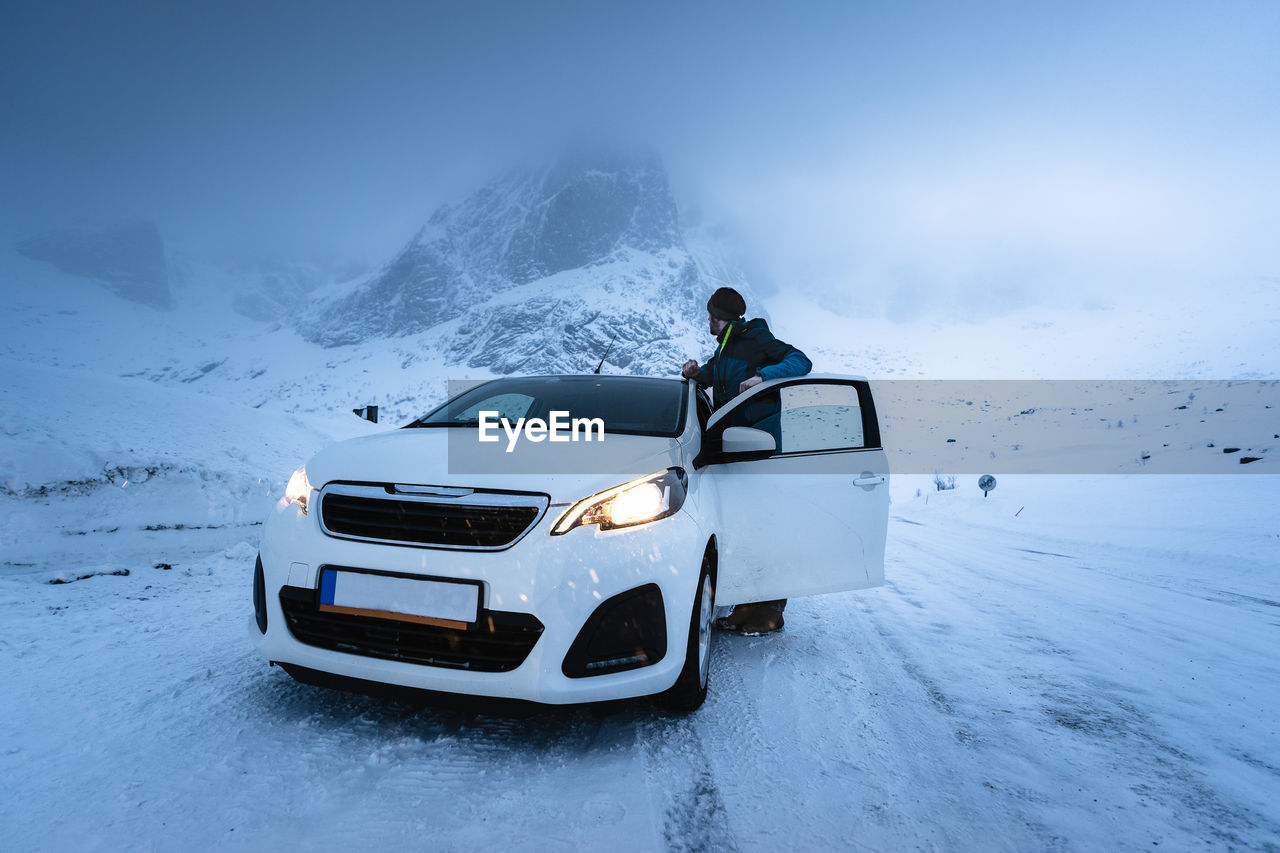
749	349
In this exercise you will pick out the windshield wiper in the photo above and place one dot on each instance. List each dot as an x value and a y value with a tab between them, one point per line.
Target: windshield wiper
421	423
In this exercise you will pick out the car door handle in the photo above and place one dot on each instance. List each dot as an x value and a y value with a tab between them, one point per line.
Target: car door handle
868	481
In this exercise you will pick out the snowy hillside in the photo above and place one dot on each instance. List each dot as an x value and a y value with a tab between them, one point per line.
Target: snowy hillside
128	260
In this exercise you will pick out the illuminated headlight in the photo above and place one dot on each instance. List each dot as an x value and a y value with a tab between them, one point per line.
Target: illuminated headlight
646	499
299	489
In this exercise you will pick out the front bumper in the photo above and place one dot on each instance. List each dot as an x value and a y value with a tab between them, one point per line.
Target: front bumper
557	580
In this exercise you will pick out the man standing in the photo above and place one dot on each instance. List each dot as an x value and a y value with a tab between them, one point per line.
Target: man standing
747	355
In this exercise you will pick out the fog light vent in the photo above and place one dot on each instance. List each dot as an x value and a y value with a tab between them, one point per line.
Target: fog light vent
627	631
260	596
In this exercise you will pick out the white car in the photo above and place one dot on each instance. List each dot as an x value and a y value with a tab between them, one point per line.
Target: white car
518	561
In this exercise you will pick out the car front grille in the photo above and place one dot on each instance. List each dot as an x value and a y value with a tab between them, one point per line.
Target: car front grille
499	643
481	521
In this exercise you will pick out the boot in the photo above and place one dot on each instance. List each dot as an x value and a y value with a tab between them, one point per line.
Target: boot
753	620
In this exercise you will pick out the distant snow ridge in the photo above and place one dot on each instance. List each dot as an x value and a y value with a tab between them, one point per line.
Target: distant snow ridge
275	292
537	271
128	260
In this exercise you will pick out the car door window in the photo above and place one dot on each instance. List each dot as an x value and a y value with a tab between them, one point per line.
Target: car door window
820	417
804	417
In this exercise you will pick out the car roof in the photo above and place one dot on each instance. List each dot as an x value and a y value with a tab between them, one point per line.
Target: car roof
843	376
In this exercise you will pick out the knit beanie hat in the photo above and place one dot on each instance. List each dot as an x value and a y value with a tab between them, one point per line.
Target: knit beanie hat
726	304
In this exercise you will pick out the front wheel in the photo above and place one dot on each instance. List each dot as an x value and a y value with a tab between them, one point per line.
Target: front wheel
690	689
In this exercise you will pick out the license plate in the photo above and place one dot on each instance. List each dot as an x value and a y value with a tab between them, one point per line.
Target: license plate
451	604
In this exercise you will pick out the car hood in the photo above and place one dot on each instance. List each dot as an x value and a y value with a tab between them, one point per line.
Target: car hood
444	456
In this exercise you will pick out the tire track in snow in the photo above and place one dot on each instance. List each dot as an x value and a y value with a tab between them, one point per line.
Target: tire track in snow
682	783
928	779
1094	716
819	739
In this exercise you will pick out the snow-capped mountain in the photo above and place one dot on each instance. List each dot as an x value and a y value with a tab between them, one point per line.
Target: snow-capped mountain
539	270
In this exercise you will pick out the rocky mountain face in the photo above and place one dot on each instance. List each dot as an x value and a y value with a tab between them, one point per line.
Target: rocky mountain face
537	271
128	260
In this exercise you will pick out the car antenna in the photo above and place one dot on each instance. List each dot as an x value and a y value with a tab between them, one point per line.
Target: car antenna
606	352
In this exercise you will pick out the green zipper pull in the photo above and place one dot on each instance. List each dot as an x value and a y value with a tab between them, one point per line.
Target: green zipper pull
727	331
723	341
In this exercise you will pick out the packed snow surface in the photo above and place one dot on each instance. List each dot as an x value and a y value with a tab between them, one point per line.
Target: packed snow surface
1084	663
1070	662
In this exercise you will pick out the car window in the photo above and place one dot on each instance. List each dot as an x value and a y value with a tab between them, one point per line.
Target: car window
631	405
804	417
511	406
820	417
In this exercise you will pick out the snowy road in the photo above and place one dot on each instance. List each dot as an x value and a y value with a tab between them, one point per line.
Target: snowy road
1077	676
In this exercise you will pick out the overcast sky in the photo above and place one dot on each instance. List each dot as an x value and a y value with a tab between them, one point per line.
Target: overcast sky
982	154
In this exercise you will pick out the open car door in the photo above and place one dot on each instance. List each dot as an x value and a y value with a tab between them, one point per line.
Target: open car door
810	515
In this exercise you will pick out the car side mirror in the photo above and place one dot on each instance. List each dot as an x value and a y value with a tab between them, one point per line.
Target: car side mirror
741	439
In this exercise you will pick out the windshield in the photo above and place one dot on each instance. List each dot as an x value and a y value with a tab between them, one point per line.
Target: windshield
630	405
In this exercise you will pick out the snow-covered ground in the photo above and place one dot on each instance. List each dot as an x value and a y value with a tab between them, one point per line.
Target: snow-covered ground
1096	671
1071	662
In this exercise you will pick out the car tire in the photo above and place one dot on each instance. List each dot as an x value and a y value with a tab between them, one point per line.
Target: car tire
690	689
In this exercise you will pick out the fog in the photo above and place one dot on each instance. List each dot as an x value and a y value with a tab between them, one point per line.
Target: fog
962	159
